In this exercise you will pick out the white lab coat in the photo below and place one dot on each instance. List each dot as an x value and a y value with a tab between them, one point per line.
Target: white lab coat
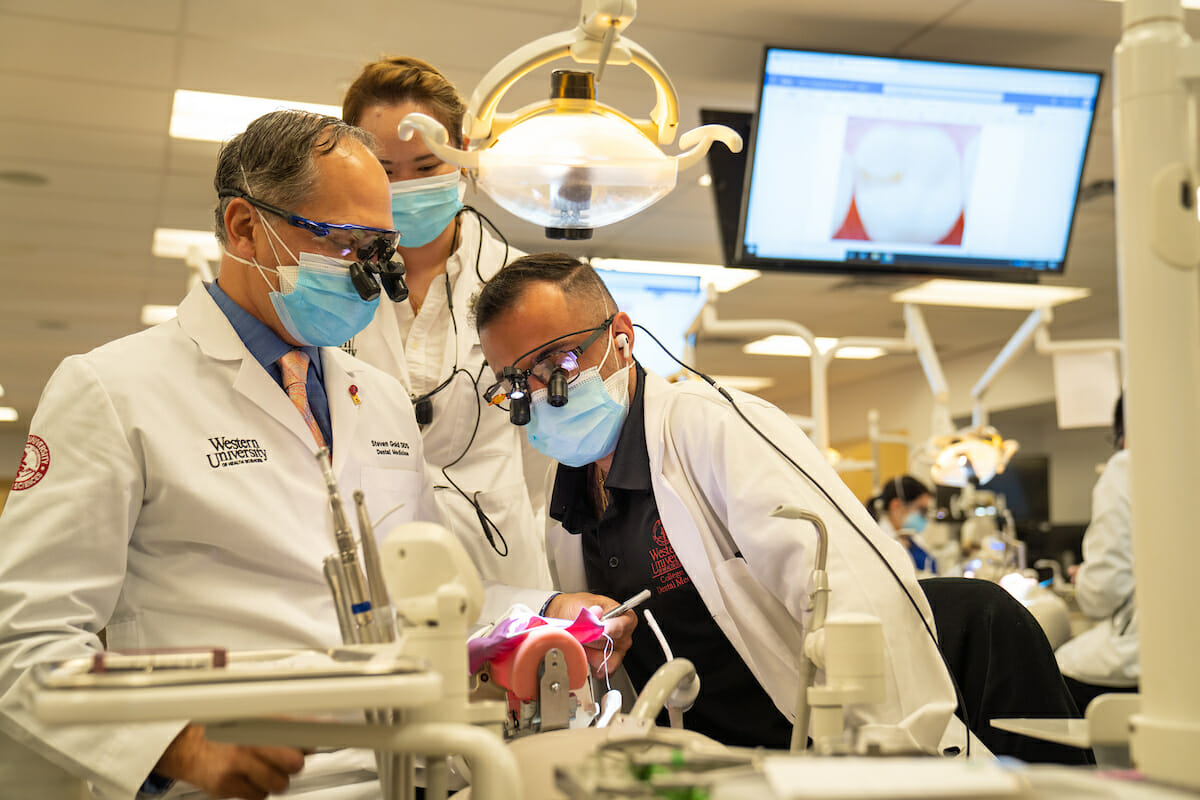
1106	654
715	482
495	466
139	527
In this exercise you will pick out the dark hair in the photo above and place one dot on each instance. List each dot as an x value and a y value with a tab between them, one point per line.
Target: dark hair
905	487
275	158
402	79
578	281
1119	422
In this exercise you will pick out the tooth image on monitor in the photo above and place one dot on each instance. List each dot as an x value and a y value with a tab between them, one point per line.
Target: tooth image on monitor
909	182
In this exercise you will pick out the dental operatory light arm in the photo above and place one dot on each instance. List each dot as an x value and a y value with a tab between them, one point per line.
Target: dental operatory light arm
916	340
596	40
1032	331
571	163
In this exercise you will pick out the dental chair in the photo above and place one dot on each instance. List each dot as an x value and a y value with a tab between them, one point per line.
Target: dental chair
1003	665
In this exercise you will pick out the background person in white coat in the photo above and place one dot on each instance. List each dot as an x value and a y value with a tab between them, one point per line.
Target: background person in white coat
170	493
901	508
478	463
663	486
1104	658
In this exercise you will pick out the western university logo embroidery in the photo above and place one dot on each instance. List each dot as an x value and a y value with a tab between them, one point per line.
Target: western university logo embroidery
35	461
230	452
665	570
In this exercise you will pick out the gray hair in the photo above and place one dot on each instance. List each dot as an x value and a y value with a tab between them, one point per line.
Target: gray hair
275	158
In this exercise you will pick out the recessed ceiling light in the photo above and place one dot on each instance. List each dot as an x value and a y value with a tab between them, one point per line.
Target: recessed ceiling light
212	117
178	242
781	345
723	279
745	383
8	414
985	294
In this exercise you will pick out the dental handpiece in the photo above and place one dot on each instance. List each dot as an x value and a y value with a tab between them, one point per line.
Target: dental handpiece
353	583
381	604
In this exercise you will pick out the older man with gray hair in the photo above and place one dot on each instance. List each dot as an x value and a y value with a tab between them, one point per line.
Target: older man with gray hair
170	494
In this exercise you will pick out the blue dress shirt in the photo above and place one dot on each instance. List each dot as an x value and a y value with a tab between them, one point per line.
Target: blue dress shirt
267	349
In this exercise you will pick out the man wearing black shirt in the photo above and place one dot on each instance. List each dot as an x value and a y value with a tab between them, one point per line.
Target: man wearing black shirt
666	487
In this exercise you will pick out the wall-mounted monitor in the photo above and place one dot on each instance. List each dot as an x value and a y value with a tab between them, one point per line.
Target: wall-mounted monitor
666	305
882	164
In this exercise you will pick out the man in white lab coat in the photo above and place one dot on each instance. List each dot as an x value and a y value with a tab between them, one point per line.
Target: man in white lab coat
666	487
170	494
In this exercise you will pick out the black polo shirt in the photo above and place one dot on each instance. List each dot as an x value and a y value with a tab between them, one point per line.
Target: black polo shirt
626	550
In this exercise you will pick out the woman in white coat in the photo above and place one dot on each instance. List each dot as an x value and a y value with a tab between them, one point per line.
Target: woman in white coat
490	486
1104	658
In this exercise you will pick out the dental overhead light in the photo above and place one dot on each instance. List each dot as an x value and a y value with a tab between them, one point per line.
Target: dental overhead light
972	456
571	164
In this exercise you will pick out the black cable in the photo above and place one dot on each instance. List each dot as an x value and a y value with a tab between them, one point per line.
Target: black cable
912	601
490	530
479	252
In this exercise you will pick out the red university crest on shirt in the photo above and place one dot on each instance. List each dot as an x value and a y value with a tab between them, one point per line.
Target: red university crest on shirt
665	570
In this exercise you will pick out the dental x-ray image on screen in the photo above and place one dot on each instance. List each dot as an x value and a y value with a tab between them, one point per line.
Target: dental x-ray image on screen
881	164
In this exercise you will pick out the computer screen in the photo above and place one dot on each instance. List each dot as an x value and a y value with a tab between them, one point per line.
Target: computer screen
882	164
666	305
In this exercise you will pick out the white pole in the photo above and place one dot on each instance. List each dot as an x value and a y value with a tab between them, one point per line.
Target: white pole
1160	325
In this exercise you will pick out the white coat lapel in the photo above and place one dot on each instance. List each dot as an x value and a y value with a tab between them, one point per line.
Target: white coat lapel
202	320
339	371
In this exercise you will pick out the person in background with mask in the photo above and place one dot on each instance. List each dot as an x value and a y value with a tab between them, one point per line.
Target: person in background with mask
901	509
1105	658
477	461
170	492
666	487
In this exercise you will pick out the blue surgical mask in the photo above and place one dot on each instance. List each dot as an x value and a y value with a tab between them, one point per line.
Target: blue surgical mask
423	207
588	426
915	522
316	303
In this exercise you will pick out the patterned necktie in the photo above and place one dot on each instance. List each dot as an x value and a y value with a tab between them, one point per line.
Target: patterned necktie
294	366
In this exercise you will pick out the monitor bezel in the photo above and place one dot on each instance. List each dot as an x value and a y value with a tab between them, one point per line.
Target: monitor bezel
965	270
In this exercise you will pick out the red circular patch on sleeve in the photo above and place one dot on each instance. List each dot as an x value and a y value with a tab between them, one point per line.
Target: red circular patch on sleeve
34	463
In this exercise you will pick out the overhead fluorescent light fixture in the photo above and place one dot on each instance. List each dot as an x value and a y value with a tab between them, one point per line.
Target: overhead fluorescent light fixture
213	117
8	414
179	242
723	279
153	315
744	383
985	294
780	345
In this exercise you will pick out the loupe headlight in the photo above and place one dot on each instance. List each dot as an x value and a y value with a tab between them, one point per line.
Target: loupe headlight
518	396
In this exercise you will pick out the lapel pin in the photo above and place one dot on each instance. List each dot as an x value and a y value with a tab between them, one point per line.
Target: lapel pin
354	395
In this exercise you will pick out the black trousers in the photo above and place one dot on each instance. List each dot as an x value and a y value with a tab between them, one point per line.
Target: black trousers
1003	664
